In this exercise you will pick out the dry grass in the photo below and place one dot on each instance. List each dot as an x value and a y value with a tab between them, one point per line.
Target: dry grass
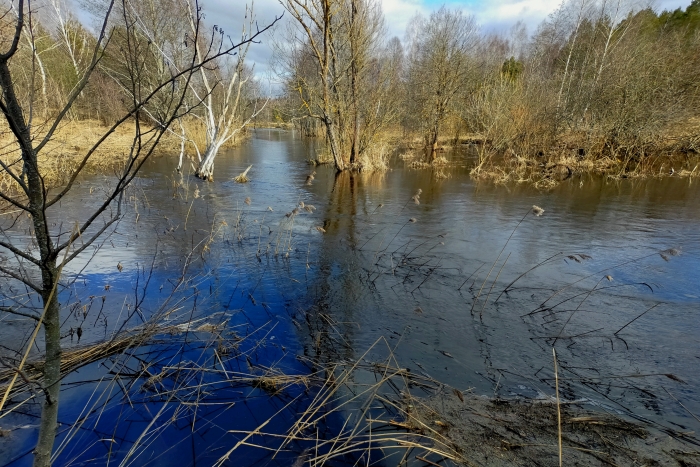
356	390
323	157
76	358
274	124
196	133
440	160
492	431
441	174
73	139
673	152
389	412
374	158
70	143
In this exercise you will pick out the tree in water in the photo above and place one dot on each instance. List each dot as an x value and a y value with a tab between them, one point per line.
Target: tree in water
340	73
222	93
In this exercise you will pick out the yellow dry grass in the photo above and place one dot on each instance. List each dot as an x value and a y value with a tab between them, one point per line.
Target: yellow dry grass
71	142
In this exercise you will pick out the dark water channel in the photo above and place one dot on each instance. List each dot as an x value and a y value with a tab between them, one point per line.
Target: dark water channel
384	269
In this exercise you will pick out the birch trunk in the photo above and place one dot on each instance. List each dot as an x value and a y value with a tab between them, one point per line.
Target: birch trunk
205	171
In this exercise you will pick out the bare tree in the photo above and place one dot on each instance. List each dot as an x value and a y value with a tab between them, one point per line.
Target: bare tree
317	23
439	62
38	264
337	71
33	36
74	38
221	94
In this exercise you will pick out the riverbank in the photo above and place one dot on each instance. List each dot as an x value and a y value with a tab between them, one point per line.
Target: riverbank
675	156
676	153
73	139
488	431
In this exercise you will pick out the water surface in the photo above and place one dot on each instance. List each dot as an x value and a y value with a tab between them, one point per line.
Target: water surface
385	267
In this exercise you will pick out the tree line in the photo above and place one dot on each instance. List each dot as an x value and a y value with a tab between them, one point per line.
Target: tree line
597	79
145	43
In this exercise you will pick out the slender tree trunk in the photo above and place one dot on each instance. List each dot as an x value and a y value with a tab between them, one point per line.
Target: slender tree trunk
52	322
431	142
339	126
52	369
333	141
325	62
183	137
579	20
353	77
44	95
611	31
331	130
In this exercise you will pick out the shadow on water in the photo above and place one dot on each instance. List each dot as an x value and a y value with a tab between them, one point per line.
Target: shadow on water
286	305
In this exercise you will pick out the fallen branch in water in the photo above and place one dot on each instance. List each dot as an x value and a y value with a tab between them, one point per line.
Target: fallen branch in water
243	177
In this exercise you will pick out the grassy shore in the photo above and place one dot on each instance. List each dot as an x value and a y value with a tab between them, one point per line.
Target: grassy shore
74	139
677	153
69	145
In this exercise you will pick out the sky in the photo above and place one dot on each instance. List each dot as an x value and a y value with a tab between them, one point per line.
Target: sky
491	15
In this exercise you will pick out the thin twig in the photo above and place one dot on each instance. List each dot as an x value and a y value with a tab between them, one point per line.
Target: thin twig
635	319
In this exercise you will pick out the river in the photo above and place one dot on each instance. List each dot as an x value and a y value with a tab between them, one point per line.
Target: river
366	264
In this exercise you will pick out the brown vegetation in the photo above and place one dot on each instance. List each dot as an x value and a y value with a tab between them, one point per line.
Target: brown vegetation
599	87
66	148
492	432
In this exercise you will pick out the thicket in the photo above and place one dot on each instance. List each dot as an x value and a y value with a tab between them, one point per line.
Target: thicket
55	48
598	86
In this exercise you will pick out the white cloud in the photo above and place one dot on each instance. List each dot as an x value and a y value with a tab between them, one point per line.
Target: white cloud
398	13
499	15
231	17
231	14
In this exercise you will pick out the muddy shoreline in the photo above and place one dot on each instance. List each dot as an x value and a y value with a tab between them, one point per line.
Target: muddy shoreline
496	431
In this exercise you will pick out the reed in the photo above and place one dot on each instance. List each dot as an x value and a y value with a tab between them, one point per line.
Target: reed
361	433
556	376
535	210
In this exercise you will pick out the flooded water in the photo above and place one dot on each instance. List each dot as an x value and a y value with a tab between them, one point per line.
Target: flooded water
616	292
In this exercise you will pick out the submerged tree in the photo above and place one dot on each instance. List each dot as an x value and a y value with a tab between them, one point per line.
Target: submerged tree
222	97
37	263
339	72
317	21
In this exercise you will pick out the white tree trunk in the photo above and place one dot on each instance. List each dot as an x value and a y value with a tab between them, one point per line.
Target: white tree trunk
183	140
205	171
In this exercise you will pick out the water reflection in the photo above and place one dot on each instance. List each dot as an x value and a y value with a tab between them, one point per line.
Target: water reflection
375	273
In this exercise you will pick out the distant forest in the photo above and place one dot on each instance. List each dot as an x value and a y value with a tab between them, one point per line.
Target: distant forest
597	80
